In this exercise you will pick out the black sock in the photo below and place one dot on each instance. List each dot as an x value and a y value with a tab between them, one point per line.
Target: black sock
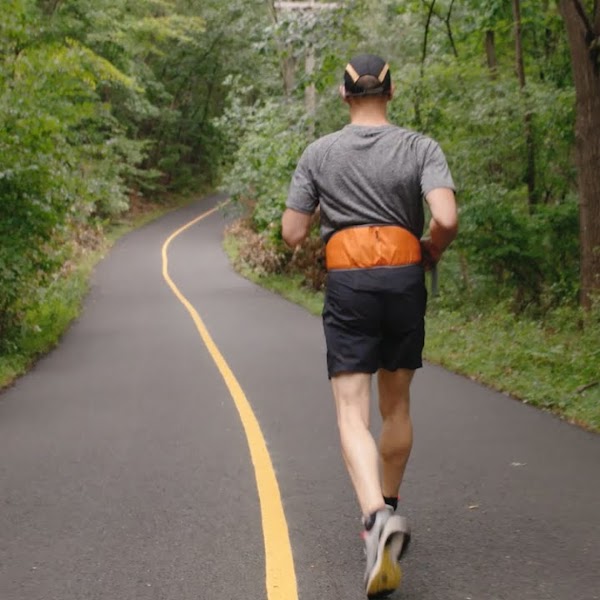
393	502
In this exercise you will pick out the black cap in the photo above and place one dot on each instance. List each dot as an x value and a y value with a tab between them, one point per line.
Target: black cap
367	64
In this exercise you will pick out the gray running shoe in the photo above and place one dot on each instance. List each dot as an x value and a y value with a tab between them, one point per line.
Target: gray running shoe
406	537
383	546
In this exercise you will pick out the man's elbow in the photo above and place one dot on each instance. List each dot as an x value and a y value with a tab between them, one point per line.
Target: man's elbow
444	212
443	231
294	228
450	225
292	237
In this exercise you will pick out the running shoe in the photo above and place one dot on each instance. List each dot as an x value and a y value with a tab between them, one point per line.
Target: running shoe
383	546
406	537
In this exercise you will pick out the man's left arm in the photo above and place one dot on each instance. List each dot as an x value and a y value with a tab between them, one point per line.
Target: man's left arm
295	226
301	204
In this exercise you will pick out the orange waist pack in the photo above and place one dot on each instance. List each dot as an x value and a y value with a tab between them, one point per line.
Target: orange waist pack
372	246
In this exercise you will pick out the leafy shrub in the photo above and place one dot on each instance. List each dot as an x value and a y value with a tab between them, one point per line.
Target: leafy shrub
256	251
61	162
266	141
536	257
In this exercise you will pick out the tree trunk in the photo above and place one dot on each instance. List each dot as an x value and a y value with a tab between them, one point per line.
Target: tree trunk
418	91
447	22
310	92
50	6
490	51
584	41
529	141
286	60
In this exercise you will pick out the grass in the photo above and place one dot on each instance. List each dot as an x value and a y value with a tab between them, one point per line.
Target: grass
554	366
556	369
61	302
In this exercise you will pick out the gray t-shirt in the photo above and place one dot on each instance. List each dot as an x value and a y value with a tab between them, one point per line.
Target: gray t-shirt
369	175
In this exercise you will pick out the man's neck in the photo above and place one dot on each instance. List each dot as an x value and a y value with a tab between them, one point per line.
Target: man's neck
368	115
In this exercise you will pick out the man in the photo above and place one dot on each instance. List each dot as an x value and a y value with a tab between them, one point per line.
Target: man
369	180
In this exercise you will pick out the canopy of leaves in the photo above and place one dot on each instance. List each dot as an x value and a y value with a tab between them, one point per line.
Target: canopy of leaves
449	86
101	99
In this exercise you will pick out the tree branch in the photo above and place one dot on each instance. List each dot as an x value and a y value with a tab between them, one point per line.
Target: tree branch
449	28
584	17
592	36
426	35
446	21
587	386
272	11
419	85
51	7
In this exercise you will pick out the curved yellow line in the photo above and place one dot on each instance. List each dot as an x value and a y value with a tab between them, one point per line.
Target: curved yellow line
279	563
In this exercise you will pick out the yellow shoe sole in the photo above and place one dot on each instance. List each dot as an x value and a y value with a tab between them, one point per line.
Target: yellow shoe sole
388	578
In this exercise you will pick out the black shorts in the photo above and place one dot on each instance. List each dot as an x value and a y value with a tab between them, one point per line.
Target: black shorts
375	318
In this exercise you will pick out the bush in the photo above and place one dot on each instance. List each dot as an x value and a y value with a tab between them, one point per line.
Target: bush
256	251
266	141
534	257
62	161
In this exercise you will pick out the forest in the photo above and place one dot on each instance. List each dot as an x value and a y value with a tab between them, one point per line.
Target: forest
113	103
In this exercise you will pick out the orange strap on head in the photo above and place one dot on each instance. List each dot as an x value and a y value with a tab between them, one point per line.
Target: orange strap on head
372	246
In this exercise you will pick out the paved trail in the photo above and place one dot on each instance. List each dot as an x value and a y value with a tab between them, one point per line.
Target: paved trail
126	471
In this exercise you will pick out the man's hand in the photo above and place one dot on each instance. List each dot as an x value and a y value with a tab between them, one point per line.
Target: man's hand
430	254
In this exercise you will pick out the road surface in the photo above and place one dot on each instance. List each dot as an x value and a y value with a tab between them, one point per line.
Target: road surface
133	468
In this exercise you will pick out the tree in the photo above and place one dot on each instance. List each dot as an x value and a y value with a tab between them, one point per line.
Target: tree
583	31
529	141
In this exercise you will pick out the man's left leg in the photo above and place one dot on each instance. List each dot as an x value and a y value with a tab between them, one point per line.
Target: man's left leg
352	393
383	533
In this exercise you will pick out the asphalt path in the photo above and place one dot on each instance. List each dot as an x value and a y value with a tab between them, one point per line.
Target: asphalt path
126	470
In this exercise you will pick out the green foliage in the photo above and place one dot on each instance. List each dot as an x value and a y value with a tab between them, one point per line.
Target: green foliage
535	258
53	307
273	135
99	99
508	311
445	88
61	160
546	363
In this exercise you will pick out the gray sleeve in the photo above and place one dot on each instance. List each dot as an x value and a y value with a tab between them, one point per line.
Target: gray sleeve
302	195
435	172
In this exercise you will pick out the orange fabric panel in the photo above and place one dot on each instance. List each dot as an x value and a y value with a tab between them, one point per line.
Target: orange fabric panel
372	246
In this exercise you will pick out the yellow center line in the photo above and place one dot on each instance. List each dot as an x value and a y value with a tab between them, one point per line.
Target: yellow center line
279	563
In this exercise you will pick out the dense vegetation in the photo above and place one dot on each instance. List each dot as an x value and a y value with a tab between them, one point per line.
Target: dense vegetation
509	145
112	100
100	102
493	83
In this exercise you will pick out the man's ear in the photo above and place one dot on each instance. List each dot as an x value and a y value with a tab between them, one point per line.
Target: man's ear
392	92
343	95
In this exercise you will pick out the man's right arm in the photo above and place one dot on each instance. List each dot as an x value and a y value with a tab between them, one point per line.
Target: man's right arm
443	226
438	187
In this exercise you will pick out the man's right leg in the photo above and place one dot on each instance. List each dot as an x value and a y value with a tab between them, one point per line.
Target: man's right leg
395	442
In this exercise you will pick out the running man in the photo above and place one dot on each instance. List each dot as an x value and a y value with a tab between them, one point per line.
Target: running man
369	180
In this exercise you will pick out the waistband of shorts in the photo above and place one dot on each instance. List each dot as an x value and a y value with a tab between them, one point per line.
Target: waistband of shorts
371	246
